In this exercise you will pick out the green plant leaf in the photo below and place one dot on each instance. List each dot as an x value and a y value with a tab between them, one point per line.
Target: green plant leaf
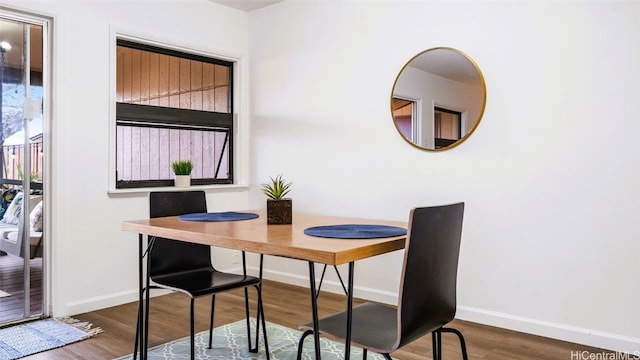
182	167
277	188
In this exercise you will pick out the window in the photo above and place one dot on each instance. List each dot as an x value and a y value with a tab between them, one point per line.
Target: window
172	105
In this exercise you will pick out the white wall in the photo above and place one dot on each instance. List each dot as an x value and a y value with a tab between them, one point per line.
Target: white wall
549	177
94	264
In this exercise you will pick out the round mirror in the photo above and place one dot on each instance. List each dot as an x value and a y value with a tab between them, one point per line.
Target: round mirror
438	99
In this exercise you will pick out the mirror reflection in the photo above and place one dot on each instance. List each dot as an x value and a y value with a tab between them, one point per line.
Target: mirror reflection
438	99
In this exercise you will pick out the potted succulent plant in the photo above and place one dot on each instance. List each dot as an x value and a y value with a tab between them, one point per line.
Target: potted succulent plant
279	208
182	169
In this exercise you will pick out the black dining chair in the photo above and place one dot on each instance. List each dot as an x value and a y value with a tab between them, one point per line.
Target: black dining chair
427	297
186	267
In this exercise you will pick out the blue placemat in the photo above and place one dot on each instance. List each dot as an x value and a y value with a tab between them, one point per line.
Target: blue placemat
218	216
355	231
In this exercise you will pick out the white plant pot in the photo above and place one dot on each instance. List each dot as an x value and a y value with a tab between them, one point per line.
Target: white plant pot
183	181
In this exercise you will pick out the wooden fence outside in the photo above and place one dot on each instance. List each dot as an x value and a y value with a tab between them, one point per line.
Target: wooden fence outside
14	159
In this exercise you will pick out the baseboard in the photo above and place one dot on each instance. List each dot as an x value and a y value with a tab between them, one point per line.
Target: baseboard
582	336
101	302
599	339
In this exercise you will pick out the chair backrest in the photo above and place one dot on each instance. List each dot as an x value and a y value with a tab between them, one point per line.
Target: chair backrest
166	255
428	286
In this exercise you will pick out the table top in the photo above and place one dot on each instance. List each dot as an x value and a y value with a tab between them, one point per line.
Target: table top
255	235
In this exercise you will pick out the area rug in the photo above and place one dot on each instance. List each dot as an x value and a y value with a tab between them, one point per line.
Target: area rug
24	339
230	343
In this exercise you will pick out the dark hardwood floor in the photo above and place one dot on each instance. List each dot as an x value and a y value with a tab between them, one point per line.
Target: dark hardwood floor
11	282
289	306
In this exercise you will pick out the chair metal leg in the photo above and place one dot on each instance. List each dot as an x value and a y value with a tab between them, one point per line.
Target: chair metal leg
140	337
192	330
144	337
364	354
436	339
387	356
137	339
213	306
463	345
301	343
434	345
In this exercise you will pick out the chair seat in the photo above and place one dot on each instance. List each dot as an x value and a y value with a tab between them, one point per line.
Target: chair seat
374	327
203	281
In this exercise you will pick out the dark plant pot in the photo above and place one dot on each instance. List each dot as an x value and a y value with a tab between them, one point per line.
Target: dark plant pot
279	211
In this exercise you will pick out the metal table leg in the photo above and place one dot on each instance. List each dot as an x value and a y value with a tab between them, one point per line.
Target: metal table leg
138	339
314	309
347	341
147	290
142	327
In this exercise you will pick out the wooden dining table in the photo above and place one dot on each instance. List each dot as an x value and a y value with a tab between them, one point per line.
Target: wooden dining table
286	240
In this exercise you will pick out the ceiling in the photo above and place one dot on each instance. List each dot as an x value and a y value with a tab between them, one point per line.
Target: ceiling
12	32
246	5
448	64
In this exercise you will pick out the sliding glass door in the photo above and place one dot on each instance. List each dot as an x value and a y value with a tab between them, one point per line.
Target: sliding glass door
23	87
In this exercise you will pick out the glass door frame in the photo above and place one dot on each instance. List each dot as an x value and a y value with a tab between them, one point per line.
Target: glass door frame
32	108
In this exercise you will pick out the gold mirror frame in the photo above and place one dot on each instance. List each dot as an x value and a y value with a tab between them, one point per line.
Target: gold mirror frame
448	72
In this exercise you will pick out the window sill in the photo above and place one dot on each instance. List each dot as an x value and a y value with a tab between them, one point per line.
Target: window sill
212	188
